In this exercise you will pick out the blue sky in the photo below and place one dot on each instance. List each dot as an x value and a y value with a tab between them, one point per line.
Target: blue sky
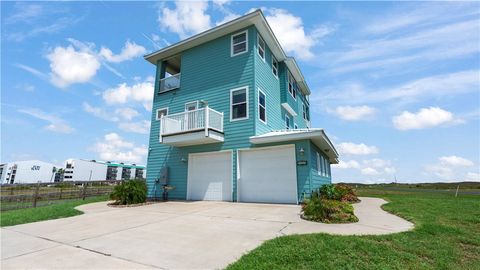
394	84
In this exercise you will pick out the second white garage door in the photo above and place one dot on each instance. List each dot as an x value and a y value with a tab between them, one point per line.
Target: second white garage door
268	175
210	176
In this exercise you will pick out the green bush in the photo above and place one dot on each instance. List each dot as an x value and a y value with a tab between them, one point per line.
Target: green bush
346	193
328	211
130	192
329	191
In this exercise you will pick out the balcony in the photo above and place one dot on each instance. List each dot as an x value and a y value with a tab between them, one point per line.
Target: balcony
195	127
169	83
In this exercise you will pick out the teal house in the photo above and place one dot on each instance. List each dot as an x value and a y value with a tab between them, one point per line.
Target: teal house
231	119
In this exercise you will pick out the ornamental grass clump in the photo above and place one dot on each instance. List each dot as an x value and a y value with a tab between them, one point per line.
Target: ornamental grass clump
130	192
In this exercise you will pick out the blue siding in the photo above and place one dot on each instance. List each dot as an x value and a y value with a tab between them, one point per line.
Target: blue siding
318	179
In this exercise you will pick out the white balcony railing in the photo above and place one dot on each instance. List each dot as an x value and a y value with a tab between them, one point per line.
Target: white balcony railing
200	119
169	83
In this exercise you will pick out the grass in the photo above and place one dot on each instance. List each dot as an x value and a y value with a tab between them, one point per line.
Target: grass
60	210
446	236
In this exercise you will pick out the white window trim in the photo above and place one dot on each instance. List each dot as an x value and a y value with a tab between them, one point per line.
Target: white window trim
319	165
304	113
258	107
160	109
191	102
285	121
264	47
274	61
231	43
289	75
295	126
231	103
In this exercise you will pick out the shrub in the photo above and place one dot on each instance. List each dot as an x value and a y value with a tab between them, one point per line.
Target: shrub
346	193
130	192
329	191
328	211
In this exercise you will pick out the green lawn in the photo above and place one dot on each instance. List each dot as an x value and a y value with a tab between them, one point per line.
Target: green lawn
446	236
60	210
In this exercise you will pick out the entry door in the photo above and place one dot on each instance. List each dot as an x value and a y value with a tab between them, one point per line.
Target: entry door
268	175
210	176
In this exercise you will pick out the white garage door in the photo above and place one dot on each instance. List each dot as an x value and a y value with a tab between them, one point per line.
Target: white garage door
210	176
268	175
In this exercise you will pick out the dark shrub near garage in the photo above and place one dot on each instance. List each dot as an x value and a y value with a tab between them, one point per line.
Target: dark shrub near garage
130	192
339	192
328	211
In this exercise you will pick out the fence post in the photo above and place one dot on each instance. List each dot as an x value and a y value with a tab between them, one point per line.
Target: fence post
84	191
35	196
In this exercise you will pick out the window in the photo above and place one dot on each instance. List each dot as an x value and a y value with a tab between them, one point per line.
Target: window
291	86
287	122
261	47
191	106
239	104
262	106
304	111
161	112
319	164
239	43
295	126
274	67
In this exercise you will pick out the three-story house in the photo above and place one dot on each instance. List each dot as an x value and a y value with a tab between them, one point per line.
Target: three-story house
231	119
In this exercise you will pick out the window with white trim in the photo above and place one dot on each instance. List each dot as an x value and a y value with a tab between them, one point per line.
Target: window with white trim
304	111
161	112
262	106
319	164
291	86
274	66
239	103
261	47
239	43
287	122
295	126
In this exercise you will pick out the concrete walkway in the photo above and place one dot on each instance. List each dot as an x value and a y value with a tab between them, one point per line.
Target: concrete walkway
172	235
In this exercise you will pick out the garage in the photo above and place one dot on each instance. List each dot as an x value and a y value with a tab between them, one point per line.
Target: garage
210	176
268	175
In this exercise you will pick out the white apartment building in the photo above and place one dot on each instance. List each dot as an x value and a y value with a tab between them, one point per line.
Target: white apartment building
28	171
84	170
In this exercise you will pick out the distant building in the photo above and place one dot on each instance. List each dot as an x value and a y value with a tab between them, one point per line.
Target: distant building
122	171
28	171
84	170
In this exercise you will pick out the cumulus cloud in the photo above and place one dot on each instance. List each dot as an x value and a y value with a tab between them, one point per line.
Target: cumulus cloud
350	148
473	177
455	161
370	171
129	51
127	113
142	127
55	123
424	118
185	19
354	113
448	167
114	147
138	92
99	112
70	65
292	35
350	164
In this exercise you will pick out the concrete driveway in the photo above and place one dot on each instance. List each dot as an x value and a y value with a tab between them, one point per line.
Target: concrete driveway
172	235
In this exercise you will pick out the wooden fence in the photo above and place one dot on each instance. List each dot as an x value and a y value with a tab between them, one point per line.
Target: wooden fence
18	196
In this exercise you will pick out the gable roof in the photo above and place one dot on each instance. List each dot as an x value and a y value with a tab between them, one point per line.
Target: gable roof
254	18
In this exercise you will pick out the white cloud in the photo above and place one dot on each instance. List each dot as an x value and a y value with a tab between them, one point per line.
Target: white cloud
291	34
185	19
351	164
370	171
123	93
56	124
448	167
127	113
424	118
129	51
99	112
350	148
114	147
142	127
69	65
455	161
473	177
354	113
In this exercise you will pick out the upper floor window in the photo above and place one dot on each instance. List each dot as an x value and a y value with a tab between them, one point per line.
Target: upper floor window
274	66
239	43
287	122
305	112
319	164
292	86
262	106
261	47
161	112
295	126
239	104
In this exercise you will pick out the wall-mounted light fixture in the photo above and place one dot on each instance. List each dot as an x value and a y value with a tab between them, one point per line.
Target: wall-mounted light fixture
301	151
183	160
